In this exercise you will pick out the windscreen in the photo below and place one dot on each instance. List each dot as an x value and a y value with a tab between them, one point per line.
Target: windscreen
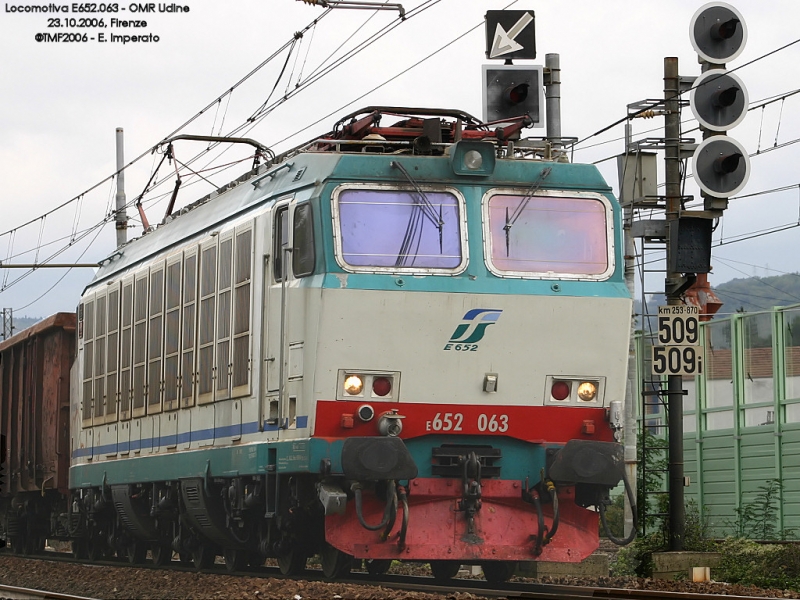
548	234
400	229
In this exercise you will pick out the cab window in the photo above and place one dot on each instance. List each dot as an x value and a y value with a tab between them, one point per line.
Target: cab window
399	230
552	235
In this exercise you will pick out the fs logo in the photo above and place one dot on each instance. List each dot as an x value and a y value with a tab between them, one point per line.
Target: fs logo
472	329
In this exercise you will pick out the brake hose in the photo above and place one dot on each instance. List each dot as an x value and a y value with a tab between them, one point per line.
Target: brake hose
550	486
391	506
632	501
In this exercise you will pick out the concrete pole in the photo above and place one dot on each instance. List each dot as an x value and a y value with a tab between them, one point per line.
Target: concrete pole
672	163
553	100
121	218
629	432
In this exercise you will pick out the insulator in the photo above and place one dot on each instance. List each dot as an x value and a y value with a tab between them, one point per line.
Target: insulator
648	114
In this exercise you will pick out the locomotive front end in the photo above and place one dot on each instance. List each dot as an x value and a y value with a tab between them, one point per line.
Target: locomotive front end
471	356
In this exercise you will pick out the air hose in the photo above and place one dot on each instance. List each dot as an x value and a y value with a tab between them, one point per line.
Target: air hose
550	486
401	540
532	497
632	501
389	511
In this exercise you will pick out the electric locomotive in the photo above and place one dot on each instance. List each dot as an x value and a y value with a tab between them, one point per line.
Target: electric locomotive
402	340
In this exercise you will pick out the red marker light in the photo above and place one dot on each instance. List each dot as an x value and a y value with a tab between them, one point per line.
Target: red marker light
381	386
560	390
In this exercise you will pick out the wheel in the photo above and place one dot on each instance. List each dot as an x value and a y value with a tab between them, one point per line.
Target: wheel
379	566
292	562
498	571
135	553
78	549
185	558
335	563
16	544
33	544
162	554
444	569
255	559
94	549
235	560
203	557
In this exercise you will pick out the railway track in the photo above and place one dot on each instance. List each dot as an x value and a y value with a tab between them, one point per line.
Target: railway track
115	579
18	593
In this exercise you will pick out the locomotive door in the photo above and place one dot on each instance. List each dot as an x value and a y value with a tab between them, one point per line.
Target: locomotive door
278	406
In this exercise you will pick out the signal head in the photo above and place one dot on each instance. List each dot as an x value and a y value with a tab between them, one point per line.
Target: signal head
718	32
719	100
513	91
721	166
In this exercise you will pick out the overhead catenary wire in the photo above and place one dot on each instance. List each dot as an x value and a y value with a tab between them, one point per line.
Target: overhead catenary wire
201	112
266	109
60	279
386	82
228	94
753	106
730	260
78	198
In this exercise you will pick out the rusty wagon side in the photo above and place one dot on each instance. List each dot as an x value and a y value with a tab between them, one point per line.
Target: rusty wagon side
34	423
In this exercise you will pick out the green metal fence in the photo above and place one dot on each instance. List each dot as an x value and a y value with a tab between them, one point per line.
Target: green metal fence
741	416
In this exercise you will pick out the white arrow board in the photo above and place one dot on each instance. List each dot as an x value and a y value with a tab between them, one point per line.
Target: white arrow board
505	42
510	34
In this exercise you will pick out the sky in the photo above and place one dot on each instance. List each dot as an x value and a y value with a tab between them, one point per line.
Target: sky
61	102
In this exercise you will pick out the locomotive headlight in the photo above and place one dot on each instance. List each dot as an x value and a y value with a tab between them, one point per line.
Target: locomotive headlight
353	385
470	157
473	160
587	391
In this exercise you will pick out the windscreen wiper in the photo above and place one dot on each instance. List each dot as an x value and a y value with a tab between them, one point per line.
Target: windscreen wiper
421	202
537	183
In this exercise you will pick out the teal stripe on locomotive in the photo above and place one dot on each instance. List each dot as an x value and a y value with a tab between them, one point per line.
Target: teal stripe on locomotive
519	460
487	284
288	456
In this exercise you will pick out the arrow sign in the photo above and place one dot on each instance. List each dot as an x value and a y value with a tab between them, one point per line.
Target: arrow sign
505	43
510	34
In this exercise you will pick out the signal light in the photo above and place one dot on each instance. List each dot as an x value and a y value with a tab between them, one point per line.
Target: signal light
516	93
719	100
513	91
721	166
718	32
